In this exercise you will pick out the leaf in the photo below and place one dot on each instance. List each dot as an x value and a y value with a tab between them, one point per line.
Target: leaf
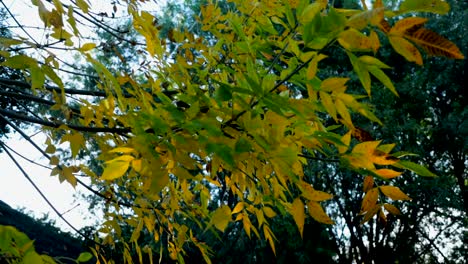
313	64
311	194
316	211
414	167
368	183
434	44
268	211
361	70
84	257
221	217
392	209
362	19
373	210
328	104
393	193
297	211
407	24
76	140
387	173
354	40
67	174
270	237
310	12
406	49
83	5
114	170
122	150
87	47
239	207
369	200
381	158
433	6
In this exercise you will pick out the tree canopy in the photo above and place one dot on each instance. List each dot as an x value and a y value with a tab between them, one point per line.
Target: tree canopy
238	111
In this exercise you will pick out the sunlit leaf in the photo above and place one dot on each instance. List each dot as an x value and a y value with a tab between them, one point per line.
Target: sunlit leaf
316	211
114	170
221	217
394	193
297	212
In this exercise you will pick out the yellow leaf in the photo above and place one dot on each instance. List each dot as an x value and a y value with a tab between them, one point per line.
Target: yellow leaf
87	47
310	12
354	40
328	104
434	44
297	211
346	139
82	5
434	6
387	173
239	207
269	212
67	174
392	209
317	212
125	158
371	212
375	42
136	165
270	237
313	64
311	194
360	20
370	199
221	217
344	113
406	49
54	160
114	170
381	158
368	183
407	24
334	84
394	193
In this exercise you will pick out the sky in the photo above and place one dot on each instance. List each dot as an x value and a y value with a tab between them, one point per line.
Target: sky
15	189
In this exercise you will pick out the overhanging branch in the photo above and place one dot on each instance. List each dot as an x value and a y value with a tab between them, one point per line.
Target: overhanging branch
17	116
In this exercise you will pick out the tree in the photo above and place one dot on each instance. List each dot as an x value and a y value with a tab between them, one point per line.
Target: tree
237	113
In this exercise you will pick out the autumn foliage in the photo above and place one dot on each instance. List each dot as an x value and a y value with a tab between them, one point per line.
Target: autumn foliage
241	109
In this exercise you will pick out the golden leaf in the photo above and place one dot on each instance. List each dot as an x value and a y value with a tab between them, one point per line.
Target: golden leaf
115	169
317	212
409	24
297	212
221	217
369	200
368	183
392	209
394	193
406	49
434	44
387	173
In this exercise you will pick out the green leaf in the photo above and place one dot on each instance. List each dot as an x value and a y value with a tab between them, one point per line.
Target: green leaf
434	6
383	78
223	93
414	167
84	257
221	217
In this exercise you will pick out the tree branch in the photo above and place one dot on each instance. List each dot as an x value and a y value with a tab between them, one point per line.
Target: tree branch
18	116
